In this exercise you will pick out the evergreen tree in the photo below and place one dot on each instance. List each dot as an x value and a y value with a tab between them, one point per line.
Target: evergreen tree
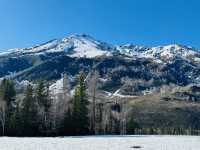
80	107
15	123
41	94
8	92
29	113
132	126
68	126
76	112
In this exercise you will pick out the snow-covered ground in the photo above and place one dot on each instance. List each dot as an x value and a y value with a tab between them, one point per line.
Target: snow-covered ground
103	143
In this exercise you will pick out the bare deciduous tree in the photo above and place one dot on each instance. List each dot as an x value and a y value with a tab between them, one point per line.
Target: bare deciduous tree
3	115
93	87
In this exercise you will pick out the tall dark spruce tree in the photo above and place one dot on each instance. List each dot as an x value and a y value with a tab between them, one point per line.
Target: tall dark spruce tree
8	91
15	123
29	113
68	124
80	108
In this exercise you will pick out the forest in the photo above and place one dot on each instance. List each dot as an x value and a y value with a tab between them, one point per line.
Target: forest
39	112
36	113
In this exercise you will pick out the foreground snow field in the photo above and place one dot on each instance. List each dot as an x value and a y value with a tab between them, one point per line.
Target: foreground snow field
103	143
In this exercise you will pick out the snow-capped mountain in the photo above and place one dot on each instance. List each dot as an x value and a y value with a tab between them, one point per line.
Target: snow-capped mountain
160	65
83	45
160	52
74	46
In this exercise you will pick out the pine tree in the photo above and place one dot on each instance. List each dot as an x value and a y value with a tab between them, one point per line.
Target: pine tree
40	94
15	123
68	124
76	112
29	113
8	92
80	107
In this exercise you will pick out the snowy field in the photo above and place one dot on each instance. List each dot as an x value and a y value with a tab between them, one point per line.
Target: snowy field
103	143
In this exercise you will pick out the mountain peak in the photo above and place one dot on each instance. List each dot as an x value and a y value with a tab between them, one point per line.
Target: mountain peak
175	47
83	35
84	45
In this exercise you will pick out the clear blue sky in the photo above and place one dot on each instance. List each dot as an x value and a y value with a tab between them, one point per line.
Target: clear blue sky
24	23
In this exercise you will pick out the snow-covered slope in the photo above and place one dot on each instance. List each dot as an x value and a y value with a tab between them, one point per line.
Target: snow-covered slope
57	87
159	52
132	50
86	46
170	51
75	46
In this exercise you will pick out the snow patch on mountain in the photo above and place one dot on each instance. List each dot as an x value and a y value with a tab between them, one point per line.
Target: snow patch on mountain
57	87
197	59
4	53
132	50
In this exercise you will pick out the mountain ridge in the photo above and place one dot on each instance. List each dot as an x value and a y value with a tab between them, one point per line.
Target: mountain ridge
146	68
83	45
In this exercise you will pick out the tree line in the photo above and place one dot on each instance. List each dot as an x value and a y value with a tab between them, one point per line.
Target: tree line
33	115
39	112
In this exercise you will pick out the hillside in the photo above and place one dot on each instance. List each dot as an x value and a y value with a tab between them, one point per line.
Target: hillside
159	86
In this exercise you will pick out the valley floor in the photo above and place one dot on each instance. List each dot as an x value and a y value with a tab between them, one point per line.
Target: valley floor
103	143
